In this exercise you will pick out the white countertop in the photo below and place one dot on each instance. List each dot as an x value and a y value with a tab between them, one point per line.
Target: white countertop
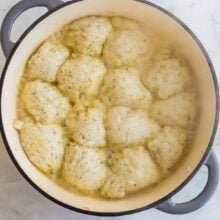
19	201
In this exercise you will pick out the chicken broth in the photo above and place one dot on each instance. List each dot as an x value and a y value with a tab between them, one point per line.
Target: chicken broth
106	107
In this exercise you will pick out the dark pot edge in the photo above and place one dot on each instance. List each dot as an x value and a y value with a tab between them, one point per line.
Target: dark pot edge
156	202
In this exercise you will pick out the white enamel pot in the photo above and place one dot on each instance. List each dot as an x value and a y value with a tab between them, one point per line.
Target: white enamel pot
201	153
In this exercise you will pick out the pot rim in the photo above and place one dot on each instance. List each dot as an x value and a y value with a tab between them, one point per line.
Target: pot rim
154	204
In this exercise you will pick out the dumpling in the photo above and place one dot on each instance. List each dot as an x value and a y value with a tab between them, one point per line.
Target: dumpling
166	77
126	48
132	170
81	77
45	63
126	127
123	23
167	147
84	167
43	144
86	126
123	87
87	35
44	102
179	110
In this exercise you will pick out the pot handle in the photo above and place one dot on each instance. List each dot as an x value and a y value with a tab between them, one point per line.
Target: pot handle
182	208
13	14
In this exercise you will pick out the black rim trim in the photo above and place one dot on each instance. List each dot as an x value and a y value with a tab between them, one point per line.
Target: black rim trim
138	209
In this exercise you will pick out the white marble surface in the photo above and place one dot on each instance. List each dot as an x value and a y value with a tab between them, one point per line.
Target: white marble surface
19	201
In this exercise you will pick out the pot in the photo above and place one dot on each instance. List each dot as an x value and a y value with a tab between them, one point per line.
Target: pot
200	153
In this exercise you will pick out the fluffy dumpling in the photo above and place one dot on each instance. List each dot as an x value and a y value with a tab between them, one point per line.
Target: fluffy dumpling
43	144
167	147
126	48
44	102
45	63
126	127
84	167
179	110
81	77
87	35
123	87
123	23
166	77
132	170
86	126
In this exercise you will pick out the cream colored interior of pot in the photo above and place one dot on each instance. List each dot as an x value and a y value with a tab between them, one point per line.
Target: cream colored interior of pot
157	20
